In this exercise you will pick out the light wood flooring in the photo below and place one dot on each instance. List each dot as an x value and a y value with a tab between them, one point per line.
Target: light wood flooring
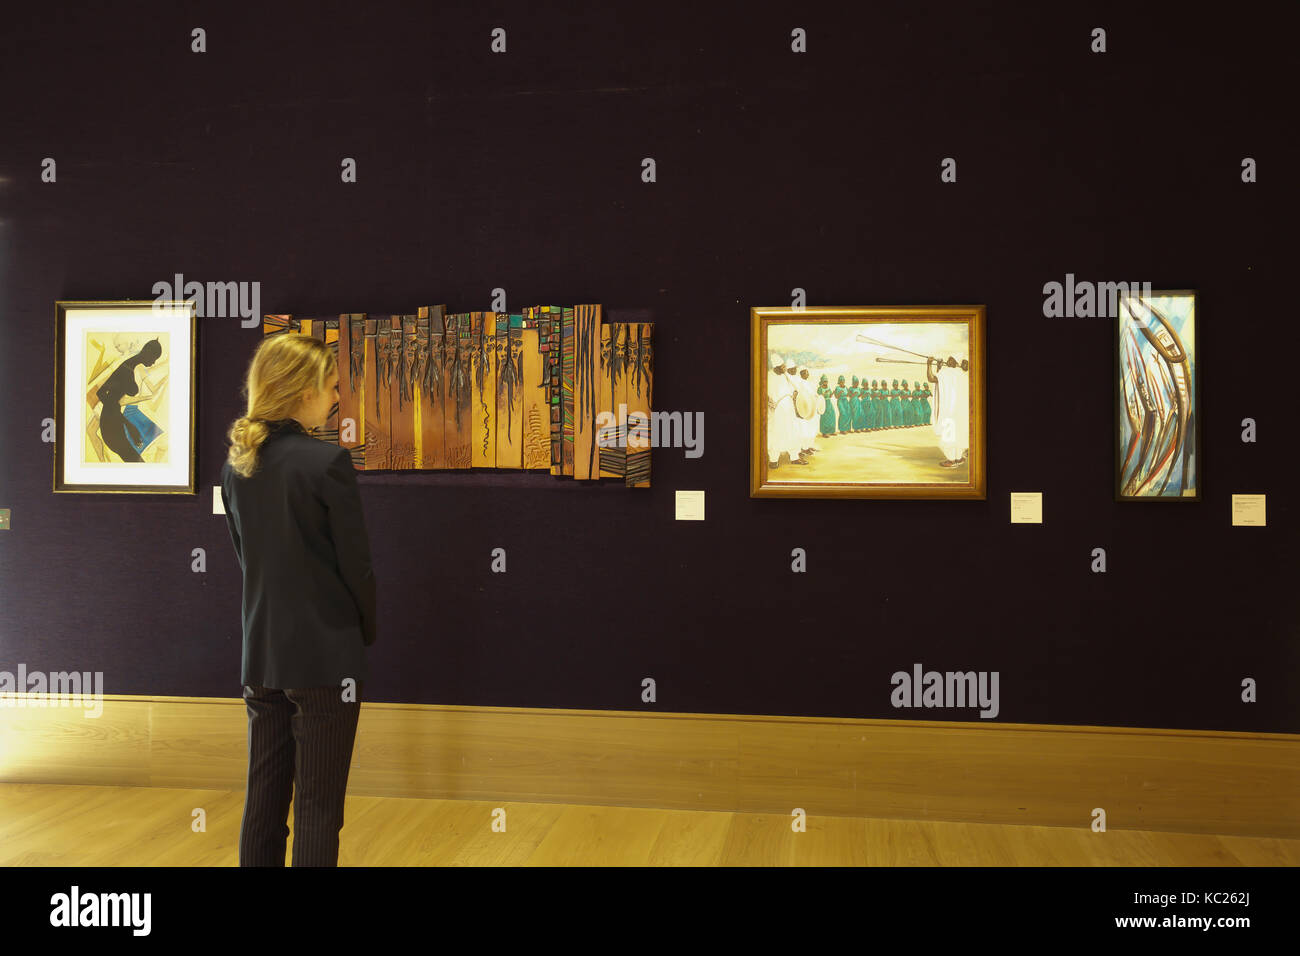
62	825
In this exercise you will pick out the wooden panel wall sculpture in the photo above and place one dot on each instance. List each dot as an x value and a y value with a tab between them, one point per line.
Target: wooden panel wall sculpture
436	390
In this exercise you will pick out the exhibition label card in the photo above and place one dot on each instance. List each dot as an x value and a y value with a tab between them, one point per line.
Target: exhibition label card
690	506
218	507
1248	510
1026	507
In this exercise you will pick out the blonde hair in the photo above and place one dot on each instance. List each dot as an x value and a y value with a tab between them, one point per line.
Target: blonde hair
283	367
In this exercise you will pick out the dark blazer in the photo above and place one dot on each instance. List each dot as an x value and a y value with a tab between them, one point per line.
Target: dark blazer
309	590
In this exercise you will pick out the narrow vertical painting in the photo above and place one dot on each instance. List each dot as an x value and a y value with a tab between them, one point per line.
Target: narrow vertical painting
1158	448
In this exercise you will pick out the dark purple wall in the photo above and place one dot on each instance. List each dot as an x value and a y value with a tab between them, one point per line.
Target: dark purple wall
776	171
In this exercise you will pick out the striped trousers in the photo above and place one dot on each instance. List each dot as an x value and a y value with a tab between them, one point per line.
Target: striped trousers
300	747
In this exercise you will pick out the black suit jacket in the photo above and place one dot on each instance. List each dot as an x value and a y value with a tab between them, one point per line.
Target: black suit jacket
309	590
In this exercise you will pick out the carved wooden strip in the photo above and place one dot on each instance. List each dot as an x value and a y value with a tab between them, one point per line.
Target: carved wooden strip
586	360
638	379
278	324
378	408
483	401
401	397
459	372
510	392
536	392
330	430
612	458
549	316
352	365
429	385
566	390
315	328
448	389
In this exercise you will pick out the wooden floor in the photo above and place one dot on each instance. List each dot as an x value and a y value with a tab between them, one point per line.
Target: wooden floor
58	825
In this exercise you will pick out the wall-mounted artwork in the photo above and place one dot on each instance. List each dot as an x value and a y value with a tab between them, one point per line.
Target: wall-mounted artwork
867	402
1158	446
124	396
520	390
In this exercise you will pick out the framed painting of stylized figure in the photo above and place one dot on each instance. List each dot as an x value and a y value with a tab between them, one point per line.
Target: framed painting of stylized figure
125	396
1157	404
867	402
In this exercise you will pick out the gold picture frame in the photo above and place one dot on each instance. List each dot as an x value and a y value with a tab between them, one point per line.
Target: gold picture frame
882	445
125	396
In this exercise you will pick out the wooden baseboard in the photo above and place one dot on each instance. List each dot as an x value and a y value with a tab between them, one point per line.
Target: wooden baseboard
1186	781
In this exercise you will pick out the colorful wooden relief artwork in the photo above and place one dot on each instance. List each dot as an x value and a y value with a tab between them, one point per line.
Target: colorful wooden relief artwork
510	391
523	390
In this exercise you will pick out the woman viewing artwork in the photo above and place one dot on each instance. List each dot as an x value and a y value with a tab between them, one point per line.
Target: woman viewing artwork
294	513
